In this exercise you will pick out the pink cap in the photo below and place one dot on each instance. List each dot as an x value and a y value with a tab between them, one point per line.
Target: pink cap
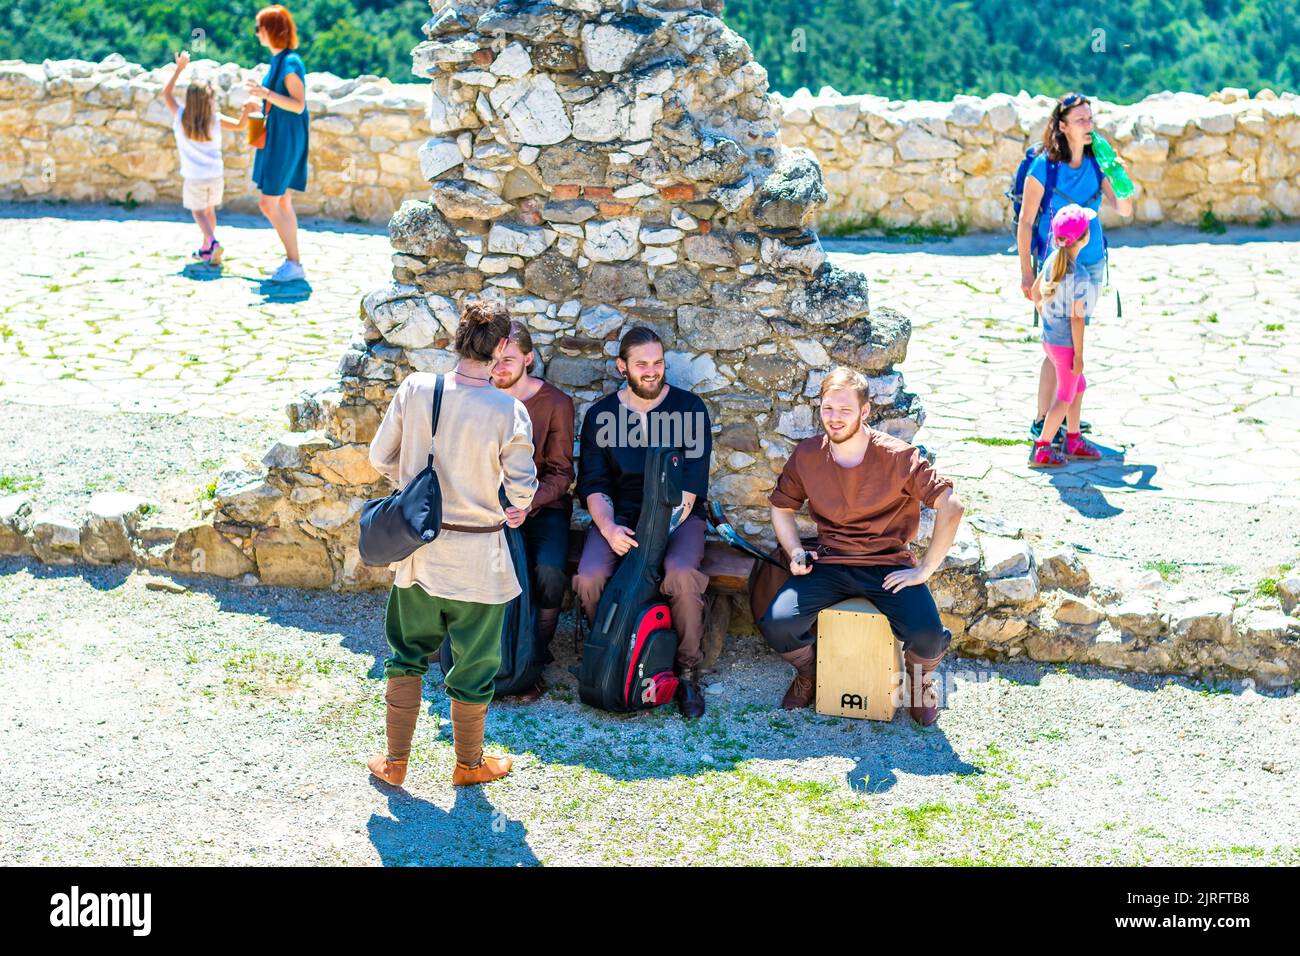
1071	222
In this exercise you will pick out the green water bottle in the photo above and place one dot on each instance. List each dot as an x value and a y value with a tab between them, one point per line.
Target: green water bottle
1110	165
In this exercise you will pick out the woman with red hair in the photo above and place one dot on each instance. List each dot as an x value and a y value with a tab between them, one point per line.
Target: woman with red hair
281	164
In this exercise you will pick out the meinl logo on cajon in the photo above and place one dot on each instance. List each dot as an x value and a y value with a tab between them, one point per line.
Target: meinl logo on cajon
859	662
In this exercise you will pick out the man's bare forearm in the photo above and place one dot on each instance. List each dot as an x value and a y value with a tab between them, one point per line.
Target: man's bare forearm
787	531
947	516
601	507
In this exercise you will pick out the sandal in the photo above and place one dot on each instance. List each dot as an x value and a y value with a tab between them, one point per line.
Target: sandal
1045	455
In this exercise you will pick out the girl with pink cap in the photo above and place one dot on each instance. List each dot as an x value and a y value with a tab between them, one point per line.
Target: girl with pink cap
1065	294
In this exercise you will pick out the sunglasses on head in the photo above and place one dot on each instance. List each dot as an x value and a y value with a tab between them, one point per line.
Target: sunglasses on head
1072	99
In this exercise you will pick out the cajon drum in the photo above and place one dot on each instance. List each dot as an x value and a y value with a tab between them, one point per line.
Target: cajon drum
859	662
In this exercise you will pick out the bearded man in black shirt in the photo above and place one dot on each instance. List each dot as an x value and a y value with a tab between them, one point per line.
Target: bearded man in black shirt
616	431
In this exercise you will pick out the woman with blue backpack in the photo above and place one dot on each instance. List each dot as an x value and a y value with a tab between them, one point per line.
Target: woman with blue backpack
1063	171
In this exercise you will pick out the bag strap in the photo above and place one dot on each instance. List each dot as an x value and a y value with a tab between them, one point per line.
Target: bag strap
437	411
274	76
1049	187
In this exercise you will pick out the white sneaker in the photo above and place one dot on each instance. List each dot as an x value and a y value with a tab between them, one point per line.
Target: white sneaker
288	272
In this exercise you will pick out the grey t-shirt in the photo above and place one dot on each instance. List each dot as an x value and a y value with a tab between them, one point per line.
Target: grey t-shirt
1076	286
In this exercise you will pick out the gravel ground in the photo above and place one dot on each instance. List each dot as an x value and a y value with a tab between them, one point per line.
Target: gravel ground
229	725
67	456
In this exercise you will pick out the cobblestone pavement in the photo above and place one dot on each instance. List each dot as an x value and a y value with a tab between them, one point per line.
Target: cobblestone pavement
1193	392
105	311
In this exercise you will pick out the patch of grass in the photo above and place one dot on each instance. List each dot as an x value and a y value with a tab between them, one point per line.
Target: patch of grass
922	819
129	203
6	333
995	442
1267	588
253	671
1210	223
1274	327
208	492
855	225
12	484
1213	317
1168	570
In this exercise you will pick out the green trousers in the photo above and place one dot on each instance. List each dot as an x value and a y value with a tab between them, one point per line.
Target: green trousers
416	622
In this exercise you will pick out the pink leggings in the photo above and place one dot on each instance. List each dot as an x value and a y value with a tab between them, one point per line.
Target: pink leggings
1068	385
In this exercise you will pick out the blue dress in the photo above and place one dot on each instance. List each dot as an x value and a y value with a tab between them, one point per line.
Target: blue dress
282	163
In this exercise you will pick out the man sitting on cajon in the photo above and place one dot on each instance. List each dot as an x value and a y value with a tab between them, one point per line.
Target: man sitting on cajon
864	491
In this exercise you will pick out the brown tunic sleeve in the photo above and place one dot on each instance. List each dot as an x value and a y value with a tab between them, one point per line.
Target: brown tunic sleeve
789	492
922	482
553	415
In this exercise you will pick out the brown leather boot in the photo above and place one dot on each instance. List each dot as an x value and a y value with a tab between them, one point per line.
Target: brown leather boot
491	768
467	737
548	619
528	696
923	704
403	699
802	690
690	696
387	769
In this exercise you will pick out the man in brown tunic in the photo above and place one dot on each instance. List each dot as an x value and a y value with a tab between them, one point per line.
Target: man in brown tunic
546	529
864	490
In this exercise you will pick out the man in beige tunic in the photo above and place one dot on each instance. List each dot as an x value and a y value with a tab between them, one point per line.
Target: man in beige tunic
458	585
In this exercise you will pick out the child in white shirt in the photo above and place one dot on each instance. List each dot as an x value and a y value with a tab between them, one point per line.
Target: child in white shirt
197	126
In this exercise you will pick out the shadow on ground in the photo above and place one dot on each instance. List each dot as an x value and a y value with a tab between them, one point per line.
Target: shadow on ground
171	212
992	243
473	832
1081	484
743	723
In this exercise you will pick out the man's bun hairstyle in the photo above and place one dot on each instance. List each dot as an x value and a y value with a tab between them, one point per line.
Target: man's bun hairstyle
483	324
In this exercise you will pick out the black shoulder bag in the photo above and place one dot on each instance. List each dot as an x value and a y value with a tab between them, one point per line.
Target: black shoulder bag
395	526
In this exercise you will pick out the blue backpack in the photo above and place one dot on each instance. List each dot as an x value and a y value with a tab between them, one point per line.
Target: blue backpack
1037	244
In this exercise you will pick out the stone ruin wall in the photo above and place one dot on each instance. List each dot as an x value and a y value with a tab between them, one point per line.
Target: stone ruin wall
83	131
593	170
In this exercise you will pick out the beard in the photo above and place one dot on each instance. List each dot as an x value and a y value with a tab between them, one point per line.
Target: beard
852	429
503	384
645	393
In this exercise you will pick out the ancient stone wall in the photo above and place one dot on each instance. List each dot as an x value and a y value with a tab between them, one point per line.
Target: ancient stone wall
94	132
929	164
592	170
84	131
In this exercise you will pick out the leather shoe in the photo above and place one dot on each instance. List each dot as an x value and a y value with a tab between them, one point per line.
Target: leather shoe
529	696
801	692
924	704
690	696
492	768
392	772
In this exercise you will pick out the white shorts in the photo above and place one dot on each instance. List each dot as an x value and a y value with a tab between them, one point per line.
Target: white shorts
202	193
